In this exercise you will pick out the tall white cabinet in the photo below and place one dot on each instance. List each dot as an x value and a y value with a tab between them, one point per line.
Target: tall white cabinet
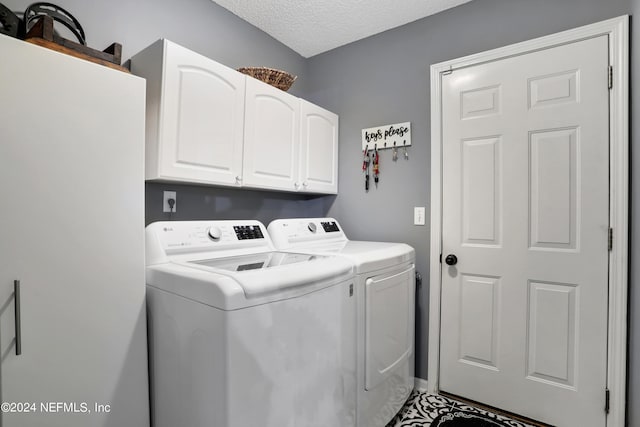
209	124
71	233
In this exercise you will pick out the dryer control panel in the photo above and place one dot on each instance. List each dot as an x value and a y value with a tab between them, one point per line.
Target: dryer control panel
330	226
288	233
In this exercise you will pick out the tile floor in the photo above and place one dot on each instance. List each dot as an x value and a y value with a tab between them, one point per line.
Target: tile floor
421	408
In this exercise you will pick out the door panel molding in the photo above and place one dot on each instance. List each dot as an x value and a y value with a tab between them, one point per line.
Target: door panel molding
617	30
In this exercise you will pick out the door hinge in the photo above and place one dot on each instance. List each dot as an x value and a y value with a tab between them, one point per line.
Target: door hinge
440	258
607	400
610	76
447	72
610	239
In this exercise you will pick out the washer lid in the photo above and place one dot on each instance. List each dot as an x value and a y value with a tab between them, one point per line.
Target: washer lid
242	281
256	261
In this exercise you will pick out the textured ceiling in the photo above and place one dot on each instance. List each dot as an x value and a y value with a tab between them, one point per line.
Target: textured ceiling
311	27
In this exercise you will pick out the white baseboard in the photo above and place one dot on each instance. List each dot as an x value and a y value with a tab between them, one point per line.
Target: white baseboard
420	384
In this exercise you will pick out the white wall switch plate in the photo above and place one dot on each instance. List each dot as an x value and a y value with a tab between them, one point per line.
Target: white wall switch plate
165	201
419	215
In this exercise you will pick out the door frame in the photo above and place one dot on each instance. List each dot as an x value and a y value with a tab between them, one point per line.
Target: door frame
618	31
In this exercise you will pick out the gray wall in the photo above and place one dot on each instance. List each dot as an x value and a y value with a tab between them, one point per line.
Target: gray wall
379	80
385	79
201	202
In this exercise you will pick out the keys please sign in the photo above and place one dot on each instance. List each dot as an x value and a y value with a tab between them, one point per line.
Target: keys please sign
387	136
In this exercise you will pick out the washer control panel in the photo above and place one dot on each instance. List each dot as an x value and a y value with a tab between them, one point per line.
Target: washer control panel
179	237
244	232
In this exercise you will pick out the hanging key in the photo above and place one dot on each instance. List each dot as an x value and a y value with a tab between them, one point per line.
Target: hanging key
365	168
376	167
365	159
395	152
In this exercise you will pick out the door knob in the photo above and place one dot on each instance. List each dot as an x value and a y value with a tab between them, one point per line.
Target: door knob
451	259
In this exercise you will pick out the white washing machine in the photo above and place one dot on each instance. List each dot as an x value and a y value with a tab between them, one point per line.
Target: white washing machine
385	291
241	335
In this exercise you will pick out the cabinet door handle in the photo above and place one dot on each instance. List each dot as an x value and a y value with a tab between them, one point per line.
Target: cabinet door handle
16	296
238	178
305	184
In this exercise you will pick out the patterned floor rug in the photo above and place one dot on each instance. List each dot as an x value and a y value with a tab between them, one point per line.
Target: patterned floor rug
428	410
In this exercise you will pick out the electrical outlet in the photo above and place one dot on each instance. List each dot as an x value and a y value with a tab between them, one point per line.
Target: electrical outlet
165	201
419	216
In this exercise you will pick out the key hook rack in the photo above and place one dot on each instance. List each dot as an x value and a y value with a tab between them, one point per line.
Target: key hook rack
385	137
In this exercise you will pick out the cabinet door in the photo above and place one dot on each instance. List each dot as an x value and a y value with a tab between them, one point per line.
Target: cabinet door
201	119
71	164
318	149
271	145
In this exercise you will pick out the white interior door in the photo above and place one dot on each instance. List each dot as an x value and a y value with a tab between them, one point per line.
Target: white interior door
525	211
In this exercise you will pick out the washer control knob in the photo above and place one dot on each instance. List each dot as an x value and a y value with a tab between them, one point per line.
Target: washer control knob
312	227
215	233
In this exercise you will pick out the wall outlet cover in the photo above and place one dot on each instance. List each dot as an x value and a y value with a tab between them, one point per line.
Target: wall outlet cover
165	201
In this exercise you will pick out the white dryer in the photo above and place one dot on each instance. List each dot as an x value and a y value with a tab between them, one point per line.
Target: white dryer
242	335
385	291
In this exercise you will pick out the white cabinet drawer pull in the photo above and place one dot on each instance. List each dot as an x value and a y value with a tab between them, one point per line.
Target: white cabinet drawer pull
16	296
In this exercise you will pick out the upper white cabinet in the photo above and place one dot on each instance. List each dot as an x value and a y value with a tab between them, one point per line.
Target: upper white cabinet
318	149
272	138
195	111
209	124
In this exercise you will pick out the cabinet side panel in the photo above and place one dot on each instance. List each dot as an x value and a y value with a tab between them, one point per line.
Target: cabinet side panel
149	64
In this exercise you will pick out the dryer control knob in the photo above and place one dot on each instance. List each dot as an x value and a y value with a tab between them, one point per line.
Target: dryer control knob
312	227
215	233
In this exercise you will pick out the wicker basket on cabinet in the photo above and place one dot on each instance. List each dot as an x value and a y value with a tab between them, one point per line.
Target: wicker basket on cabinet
277	78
